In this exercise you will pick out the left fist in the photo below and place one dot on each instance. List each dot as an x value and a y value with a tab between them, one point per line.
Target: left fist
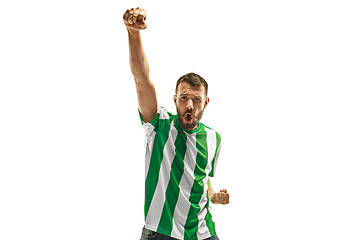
221	198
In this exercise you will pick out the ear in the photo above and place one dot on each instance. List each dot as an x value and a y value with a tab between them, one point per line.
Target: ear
206	102
175	98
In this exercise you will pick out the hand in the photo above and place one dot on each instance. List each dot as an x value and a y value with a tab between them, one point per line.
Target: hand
221	198
134	19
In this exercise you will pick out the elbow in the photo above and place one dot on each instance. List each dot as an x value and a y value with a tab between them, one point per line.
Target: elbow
140	73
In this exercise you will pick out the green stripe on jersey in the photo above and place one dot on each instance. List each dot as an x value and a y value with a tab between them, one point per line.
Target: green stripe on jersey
175	200
208	218
192	221
155	162
173	189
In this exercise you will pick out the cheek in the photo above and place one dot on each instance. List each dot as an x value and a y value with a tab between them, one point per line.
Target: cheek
200	107
180	106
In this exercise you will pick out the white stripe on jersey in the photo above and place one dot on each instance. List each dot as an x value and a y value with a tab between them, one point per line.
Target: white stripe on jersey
150	137
216	158
163	114
149	143
211	145
186	182
157	203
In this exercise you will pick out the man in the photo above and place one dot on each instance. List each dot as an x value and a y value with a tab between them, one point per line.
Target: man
181	153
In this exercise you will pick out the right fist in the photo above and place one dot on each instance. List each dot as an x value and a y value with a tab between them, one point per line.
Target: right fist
135	18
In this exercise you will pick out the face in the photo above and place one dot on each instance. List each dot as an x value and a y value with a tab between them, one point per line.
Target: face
190	104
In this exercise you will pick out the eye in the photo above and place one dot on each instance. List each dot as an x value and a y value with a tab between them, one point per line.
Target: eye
197	99
183	97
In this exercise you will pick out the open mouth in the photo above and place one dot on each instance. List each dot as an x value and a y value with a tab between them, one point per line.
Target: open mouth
188	116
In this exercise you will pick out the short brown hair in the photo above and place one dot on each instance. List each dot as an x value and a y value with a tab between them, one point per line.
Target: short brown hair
192	79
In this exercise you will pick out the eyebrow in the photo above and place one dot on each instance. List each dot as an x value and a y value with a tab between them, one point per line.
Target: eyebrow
186	94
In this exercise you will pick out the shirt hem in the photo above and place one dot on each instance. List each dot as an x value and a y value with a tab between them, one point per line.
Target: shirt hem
159	230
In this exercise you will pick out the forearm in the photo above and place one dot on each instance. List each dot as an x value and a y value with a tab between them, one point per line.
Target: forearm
210	191
134	20
138	61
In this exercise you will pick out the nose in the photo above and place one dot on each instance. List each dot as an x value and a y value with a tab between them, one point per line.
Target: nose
189	105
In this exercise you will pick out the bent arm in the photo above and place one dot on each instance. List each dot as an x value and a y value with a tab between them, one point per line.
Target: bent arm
140	69
210	191
218	198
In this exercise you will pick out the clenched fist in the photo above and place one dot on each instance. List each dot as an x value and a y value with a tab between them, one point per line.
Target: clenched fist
221	198
135	18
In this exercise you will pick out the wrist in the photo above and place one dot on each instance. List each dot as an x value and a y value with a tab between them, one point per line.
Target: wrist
133	32
212	199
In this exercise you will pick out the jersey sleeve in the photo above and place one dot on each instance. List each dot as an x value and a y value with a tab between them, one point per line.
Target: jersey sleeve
216	156
160	118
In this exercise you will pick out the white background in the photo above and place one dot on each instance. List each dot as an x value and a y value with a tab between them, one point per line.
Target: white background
284	94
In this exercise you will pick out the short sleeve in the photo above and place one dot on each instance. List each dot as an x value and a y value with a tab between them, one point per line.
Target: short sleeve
216	157
153	126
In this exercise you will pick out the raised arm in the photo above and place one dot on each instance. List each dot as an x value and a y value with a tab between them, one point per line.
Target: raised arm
134	20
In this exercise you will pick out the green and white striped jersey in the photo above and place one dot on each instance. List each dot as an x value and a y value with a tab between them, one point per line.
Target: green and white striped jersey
178	164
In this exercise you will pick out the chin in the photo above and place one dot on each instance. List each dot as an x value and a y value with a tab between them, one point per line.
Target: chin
189	126
194	122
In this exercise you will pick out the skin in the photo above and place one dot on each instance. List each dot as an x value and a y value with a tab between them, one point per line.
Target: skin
189	100
221	197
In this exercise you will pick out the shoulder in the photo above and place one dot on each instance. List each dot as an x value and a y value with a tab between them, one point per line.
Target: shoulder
211	131
162	117
163	113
